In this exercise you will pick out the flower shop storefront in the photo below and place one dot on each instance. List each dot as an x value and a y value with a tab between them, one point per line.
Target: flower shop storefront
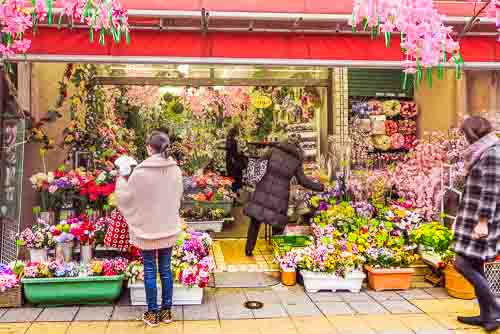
379	217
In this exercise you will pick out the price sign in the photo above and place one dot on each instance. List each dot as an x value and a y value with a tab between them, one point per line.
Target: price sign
261	101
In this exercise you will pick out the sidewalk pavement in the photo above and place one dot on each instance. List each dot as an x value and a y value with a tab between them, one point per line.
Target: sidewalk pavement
286	310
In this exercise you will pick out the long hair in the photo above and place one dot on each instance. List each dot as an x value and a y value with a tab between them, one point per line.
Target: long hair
159	143
475	128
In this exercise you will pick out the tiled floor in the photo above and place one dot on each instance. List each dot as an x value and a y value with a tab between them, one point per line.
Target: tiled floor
285	310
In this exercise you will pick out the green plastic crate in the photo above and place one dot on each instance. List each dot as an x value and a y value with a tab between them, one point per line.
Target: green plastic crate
73	290
285	243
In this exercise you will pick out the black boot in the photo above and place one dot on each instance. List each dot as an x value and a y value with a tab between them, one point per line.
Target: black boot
473	321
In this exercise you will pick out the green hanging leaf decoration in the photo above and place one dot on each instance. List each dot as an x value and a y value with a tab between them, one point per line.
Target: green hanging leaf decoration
91	35
405	81
60	21
429	76
127	36
440	71
353	27
387	39
101	37
50	7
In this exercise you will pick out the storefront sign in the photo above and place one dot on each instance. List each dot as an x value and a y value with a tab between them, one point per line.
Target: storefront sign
261	101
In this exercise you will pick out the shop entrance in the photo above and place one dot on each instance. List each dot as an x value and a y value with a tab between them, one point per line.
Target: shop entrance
198	105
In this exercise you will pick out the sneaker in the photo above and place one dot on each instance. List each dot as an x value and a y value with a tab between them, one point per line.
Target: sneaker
152	319
166	316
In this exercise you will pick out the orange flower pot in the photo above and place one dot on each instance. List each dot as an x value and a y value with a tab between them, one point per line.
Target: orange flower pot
456	284
389	279
289	278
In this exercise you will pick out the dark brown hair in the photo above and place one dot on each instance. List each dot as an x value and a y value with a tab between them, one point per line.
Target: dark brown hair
475	128
159	143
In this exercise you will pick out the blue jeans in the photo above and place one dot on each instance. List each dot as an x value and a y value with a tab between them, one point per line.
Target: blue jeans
150	278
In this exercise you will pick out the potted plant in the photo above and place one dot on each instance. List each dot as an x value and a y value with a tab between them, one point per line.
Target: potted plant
38	239
288	266
329	265
388	268
191	268
435	240
58	283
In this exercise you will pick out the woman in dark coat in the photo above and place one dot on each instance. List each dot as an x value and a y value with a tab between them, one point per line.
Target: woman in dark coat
269	202
477	228
235	161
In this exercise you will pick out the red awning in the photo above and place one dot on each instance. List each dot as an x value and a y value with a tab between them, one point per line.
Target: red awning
49	41
450	8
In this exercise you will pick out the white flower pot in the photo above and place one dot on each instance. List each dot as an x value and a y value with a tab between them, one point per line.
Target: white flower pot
316	281
38	255
64	251
86	254
182	295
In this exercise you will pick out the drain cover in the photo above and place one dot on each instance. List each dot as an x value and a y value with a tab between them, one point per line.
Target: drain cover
253	305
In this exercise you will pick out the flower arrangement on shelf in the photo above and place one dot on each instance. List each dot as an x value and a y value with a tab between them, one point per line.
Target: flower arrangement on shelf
208	187
38	236
41	183
203	214
54	268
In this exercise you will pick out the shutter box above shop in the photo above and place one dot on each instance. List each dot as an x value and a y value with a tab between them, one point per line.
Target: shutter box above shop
379	83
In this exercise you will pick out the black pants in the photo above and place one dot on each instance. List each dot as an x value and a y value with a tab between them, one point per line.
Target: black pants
473	271
253	234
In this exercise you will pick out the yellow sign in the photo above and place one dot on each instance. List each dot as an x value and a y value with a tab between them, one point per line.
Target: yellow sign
261	101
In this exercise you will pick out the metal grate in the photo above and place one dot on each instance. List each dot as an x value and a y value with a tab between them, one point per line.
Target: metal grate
492	273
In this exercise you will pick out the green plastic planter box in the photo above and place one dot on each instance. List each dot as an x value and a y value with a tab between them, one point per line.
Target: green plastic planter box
73	290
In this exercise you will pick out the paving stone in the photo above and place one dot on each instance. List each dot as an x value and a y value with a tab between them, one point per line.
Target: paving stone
58	314
302	310
384	295
400	307
48	328
266	296
86	327
94	313
230	296
439	293
293	296
128	313
335	308
434	331
27	314
234	312
325	297
367	308
415	294
355	297
270	311
200	312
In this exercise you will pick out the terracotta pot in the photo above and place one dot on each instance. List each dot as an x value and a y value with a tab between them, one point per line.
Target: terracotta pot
456	285
389	279
289	278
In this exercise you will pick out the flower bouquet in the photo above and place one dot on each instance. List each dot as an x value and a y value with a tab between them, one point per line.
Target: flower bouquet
41	183
84	231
